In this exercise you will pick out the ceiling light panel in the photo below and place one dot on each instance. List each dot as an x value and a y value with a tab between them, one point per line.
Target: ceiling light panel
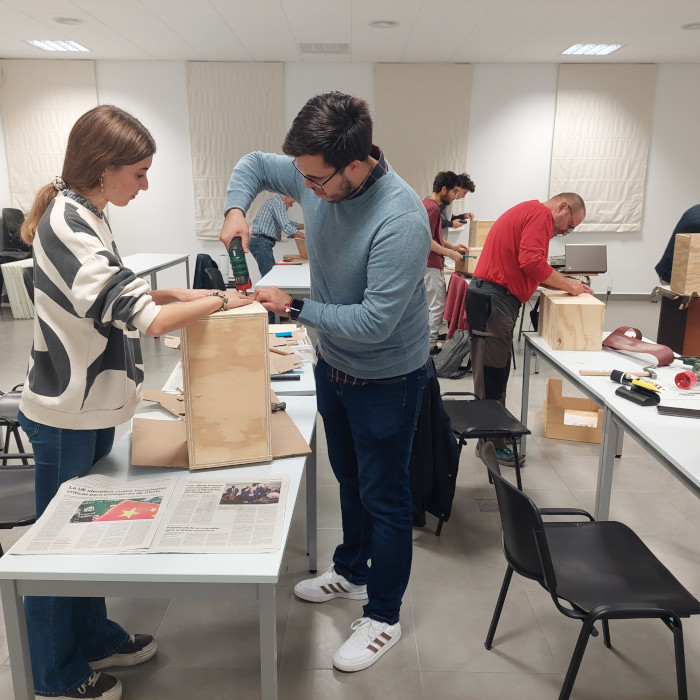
57	45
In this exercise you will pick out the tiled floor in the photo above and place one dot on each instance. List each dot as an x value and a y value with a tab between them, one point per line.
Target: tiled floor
210	650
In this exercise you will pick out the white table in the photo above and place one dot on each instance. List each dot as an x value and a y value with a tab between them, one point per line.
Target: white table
142	264
197	576
293	279
669	439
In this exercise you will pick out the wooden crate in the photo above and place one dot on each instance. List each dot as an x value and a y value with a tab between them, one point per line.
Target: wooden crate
227	388
570	417
301	247
571	323
478	230
685	274
468	265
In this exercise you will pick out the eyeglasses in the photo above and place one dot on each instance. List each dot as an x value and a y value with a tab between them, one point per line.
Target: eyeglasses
314	180
567	231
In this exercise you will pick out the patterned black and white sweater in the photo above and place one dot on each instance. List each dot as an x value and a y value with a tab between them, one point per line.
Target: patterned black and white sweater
85	369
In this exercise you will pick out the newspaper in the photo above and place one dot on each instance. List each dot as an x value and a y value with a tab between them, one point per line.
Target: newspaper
101	515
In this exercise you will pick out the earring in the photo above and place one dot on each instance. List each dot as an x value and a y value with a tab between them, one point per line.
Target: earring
102	185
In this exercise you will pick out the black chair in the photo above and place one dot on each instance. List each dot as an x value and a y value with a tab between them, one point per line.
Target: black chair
216	278
483	418
9	409
592	570
12	220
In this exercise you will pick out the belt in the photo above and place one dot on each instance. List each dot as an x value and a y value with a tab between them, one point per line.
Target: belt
262	235
494	289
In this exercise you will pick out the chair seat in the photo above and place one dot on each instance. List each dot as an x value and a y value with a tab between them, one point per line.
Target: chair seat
17	505
605	563
483	418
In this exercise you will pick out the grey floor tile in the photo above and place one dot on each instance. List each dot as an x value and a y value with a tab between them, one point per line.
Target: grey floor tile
6	688
464	685
451	629
596	686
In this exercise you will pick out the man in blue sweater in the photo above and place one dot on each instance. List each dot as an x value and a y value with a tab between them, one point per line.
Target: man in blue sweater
368	238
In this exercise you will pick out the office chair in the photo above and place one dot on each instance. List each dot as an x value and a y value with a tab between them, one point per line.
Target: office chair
483	418
9	410
216	278
12	220
594	571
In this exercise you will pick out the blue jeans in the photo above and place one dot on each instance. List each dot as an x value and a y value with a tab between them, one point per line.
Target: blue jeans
261	248
369	431
65	633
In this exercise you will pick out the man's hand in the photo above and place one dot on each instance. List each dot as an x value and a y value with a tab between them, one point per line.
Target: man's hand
235	225
273	299
299	235
461	248
576	287
455	255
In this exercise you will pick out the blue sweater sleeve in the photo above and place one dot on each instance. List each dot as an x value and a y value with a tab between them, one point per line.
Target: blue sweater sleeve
260	171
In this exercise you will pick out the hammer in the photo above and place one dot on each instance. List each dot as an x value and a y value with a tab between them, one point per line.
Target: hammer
644	372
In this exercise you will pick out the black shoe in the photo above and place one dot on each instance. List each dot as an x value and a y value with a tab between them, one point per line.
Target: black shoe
435	350
99	686
139	649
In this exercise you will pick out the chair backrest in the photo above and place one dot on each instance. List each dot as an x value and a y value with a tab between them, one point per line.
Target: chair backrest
524	539
216	278
11	224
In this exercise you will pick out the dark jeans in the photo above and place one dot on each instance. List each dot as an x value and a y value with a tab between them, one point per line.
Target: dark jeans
261	248
65	633
369	431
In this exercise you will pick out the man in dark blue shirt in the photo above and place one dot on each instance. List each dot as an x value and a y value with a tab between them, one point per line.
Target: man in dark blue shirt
689	223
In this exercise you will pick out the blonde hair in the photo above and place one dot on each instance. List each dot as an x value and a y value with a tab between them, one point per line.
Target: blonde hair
104	137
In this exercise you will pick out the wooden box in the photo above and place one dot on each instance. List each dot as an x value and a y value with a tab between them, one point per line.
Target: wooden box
679	323
571	323
685	274
226	378
478	230
569	417
467	265
301	247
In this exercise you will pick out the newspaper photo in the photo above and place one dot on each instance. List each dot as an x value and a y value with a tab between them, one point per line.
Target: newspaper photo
101	515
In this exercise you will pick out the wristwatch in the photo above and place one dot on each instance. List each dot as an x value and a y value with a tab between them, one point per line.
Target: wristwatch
223	297
293	308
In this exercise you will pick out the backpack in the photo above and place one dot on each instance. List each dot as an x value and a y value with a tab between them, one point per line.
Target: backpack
448	362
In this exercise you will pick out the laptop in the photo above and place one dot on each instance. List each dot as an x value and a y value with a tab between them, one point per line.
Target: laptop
580	258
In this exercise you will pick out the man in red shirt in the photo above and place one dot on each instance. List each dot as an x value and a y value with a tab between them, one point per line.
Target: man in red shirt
445	189
512	265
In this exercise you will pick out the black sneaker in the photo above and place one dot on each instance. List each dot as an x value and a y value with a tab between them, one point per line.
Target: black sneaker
504	455
99	686
139	648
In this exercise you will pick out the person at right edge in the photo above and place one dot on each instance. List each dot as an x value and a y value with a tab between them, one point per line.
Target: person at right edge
512	265
368	239
689	223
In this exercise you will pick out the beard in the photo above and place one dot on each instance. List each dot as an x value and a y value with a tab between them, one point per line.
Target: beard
346	187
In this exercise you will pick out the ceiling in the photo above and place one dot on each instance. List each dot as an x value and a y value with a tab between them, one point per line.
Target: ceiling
429	31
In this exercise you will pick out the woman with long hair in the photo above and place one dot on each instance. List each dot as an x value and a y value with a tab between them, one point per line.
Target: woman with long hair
86	371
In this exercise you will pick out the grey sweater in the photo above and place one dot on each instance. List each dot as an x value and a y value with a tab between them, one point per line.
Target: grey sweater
85	370
367	258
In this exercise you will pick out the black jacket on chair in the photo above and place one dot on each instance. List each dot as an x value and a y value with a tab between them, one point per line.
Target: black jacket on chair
201	278
434	457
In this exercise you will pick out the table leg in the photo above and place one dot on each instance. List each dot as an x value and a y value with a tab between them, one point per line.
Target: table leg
605	466
311	507
187	272
526	394
154	280
268	641
18	646
619	440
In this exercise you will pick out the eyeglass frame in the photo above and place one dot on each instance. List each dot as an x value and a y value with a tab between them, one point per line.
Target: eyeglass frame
311	179
568	230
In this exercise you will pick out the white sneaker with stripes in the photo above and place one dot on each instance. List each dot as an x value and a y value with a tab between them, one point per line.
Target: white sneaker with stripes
368	642
328	586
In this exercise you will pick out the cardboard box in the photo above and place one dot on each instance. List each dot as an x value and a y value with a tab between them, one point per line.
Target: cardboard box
685	274
468	265
301	247
571	323
478	230
569	417
224	416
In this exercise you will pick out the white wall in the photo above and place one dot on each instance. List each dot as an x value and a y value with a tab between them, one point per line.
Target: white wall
511	126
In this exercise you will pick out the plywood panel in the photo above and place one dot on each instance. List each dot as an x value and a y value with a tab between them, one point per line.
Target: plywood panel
571	323
301	247
227	385
685	274
478	230
468	265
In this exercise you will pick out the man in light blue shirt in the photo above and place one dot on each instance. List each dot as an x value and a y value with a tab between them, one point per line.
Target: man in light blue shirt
268	225
367	238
